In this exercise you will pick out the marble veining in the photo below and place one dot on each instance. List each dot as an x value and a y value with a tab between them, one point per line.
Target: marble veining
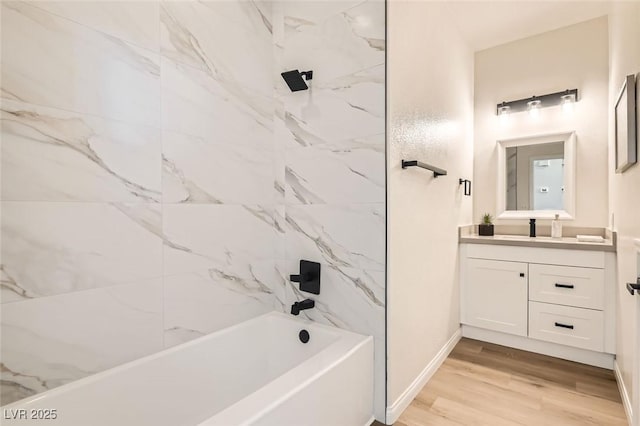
55	155
231	41
227	237
249	287
133	21
197	104
355	172
347	107
53	248
188	191
10	290
39	353
367	21
338	45
198	170
190	300
338	235
86	71
315	12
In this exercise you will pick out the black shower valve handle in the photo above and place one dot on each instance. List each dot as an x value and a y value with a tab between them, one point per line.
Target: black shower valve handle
299	278
309	277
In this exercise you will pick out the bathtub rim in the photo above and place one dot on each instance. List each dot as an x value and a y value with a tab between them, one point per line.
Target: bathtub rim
73	385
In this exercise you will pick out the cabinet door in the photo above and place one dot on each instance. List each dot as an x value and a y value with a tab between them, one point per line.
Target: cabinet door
495	295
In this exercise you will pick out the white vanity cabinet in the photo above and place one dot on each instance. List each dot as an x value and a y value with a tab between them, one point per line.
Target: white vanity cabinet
559	302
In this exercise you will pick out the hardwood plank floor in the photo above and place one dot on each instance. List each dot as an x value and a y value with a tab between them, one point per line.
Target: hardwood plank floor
485	384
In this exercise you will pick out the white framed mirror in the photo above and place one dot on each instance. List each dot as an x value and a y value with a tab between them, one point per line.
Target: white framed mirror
536	177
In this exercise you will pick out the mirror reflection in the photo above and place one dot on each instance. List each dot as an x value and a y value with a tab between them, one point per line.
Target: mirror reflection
535	177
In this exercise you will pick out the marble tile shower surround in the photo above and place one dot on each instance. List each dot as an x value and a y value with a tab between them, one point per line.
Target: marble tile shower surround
160	182
55	155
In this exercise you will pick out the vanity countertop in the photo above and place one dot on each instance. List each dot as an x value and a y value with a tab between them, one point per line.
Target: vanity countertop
468	235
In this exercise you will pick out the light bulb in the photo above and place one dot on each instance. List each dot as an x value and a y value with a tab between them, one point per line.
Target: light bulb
534	108
503	113
567	102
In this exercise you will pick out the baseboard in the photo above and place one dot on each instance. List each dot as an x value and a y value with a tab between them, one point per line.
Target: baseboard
583	356
626	398
395	410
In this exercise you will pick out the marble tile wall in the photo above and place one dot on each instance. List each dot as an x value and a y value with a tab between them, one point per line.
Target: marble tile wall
81	224
160	182
137	193
219	215
331	142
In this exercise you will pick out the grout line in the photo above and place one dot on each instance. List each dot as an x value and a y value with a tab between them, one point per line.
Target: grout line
141	281
162	194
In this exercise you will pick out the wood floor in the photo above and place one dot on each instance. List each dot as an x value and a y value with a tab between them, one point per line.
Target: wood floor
485	384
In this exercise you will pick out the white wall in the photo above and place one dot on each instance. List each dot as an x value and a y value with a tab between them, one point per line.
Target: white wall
624	188
567	58
430	111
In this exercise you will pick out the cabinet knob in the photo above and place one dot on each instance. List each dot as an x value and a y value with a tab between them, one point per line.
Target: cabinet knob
522	274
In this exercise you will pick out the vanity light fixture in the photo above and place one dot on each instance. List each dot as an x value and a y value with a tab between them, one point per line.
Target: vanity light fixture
566	98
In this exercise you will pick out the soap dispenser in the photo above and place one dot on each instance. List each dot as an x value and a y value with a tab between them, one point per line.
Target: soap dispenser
556	227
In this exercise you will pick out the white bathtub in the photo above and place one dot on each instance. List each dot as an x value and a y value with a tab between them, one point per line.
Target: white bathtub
254	373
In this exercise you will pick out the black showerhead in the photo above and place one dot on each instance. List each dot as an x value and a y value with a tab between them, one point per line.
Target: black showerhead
295	80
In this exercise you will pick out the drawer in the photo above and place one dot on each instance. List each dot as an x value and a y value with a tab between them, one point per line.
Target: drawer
566	285
566	325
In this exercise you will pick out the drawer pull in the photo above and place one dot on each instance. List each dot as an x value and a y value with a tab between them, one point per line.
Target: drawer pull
559	324
564	285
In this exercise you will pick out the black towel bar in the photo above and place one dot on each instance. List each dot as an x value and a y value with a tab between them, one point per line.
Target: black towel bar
436	170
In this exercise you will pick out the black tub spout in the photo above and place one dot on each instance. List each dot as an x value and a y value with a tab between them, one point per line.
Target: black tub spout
301	306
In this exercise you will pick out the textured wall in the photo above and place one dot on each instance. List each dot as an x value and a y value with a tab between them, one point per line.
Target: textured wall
567	58
430	95
624	189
